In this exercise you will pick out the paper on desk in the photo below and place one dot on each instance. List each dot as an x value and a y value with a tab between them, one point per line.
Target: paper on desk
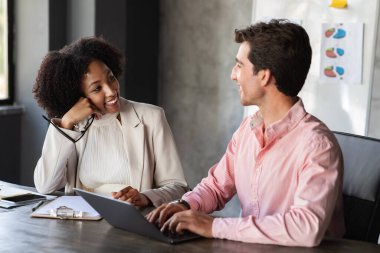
77	203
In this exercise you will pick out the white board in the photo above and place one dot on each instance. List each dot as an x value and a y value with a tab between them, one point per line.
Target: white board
343	107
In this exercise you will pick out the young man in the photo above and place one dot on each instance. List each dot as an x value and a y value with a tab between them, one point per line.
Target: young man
284	164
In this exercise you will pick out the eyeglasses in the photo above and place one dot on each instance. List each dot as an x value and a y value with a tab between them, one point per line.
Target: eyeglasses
86	127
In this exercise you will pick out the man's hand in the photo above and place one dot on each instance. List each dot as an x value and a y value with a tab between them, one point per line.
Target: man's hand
194	221
132	196
164	212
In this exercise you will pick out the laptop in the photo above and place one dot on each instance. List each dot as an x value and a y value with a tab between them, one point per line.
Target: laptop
125	216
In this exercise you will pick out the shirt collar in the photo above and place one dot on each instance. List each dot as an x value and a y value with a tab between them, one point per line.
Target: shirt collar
281	127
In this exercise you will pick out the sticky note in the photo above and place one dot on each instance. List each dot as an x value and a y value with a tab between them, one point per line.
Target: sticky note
341	4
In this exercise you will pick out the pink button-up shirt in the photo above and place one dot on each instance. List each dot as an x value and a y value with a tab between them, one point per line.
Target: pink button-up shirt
290	189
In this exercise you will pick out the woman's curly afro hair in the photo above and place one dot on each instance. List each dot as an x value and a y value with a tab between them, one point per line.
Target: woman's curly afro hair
58	83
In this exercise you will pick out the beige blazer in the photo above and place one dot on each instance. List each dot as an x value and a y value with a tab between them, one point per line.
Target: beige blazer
153	160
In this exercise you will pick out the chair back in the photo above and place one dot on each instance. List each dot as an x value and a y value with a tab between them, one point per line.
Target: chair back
361	186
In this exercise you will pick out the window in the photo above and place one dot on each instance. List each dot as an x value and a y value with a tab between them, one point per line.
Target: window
6	86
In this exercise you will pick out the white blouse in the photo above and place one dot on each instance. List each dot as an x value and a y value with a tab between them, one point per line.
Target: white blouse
103	166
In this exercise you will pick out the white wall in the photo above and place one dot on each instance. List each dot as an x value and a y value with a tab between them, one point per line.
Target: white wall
374	113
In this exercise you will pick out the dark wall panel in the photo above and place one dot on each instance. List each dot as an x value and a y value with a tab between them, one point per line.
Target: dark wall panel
57	24
133	26
10	141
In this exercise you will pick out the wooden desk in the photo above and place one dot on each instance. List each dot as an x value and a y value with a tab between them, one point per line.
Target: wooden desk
20	233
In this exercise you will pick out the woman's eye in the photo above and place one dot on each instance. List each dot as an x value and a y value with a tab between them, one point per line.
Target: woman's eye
98	88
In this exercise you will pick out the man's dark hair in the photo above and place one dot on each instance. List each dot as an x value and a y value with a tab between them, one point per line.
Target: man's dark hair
58	83
283	48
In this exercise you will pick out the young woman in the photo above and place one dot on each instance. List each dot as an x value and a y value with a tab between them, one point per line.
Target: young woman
97	140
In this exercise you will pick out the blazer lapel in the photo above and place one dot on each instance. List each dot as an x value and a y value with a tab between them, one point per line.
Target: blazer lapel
133	134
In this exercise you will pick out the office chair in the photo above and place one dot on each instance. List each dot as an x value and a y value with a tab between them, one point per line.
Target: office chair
361	186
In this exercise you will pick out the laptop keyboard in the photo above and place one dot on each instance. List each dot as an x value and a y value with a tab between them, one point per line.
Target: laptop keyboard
183	236
176	235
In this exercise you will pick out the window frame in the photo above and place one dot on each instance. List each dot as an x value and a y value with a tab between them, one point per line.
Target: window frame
11	91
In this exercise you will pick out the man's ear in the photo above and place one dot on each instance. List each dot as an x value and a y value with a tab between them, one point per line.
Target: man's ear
265	77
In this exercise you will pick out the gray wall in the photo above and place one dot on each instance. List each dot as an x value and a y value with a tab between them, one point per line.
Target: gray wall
81	19
197	53
31	45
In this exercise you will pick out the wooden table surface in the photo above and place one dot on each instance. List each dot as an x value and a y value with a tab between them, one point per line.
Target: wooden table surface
21	233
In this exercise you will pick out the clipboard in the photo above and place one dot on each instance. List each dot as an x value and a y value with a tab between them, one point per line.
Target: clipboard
67	207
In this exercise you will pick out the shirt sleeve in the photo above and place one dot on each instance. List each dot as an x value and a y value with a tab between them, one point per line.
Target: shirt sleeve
214	191
306	222
56	166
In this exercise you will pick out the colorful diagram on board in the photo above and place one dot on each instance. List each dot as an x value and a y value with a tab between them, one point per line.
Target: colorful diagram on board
341	53
338	33
334	52
330	71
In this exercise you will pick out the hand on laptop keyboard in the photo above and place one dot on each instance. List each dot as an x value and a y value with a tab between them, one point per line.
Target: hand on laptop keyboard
176	235
190	220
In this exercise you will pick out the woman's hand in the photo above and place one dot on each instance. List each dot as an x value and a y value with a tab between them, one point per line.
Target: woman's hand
80	111
132	196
